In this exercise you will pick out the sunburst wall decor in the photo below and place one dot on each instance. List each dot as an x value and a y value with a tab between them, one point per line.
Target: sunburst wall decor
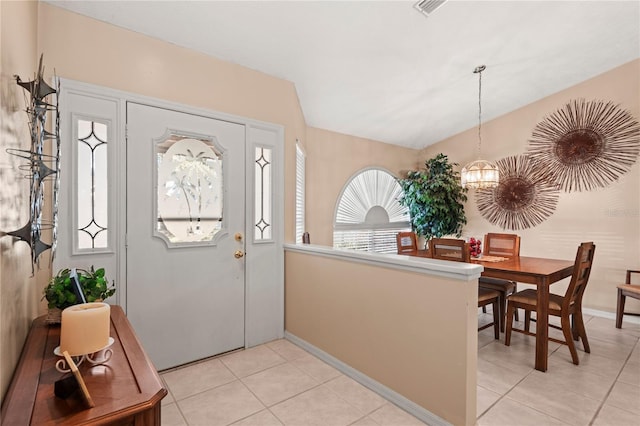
524	198
586	144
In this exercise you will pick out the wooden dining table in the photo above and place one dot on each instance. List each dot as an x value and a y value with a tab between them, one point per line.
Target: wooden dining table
540	272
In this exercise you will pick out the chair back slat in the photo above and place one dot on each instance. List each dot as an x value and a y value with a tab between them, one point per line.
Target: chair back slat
449	249
580	275
407	242
504	245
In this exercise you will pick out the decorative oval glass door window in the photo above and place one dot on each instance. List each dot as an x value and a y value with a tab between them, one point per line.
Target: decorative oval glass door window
190	189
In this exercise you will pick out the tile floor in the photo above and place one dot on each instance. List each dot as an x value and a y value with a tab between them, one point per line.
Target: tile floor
280	384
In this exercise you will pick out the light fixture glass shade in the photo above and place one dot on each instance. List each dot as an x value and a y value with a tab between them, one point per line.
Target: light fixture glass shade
480	174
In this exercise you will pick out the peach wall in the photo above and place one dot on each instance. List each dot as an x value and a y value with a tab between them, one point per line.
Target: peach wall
412	332
609	216
91	51
87	50
19	293
332	159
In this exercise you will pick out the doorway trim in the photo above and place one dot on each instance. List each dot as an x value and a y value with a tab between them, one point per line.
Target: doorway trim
264	291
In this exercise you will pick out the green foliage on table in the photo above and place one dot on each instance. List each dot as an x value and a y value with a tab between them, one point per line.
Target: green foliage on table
95	286
435	199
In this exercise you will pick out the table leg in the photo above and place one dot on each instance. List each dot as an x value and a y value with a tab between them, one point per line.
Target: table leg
542	325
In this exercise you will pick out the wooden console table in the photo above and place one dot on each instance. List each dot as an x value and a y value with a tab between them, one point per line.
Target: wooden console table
127	390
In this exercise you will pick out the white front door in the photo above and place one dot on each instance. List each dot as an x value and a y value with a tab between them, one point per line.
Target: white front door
185	234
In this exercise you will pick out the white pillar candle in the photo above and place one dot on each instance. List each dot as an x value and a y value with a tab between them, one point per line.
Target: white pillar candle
85	328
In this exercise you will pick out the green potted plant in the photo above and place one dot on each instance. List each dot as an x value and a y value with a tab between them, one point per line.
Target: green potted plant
60	295
435	199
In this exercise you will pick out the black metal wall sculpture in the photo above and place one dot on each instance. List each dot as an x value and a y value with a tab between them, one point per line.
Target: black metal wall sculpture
40	167
586	145
524	198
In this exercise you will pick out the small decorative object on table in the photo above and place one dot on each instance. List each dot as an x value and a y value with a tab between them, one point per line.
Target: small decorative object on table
475	247
84	333
78	377
61	291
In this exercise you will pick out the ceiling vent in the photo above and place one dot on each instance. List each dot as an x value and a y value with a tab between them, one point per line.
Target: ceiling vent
427	7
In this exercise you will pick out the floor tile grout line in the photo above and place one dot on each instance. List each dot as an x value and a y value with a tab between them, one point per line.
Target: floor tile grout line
600	401
626	362
199	361
175	401
318	385
205	390
265	407
539	411
606	397
237	378
284	360
503	395
268	407
505	367
350	404
321	384
551	415
364	387
556	350
182	413
194	363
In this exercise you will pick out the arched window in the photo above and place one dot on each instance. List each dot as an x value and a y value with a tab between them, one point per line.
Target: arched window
368	215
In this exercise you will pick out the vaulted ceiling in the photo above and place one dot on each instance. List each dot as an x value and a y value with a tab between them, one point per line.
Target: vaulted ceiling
384	71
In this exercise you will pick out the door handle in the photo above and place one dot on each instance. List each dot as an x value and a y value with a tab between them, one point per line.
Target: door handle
238	254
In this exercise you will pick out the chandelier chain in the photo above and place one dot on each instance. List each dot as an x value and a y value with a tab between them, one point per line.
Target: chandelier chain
480	174
479	70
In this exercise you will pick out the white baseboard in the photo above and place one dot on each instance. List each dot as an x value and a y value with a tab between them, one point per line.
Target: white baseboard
611	315
411	407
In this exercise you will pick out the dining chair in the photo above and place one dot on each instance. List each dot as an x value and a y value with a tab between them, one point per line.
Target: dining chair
502	245
505	245
490	297
624	290
458	251
449	249
407	243
567	307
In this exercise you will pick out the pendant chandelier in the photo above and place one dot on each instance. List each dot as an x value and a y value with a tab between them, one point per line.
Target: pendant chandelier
479	174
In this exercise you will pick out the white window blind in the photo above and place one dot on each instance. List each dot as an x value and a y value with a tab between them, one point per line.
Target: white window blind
300	174
369	216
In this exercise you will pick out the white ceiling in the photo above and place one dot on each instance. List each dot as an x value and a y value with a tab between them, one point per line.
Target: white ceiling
382	70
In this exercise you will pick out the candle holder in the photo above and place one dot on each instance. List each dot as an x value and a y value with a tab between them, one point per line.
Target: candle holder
63	367
84	333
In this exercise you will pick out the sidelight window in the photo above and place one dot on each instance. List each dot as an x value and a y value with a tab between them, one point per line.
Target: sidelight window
262	201
92	223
